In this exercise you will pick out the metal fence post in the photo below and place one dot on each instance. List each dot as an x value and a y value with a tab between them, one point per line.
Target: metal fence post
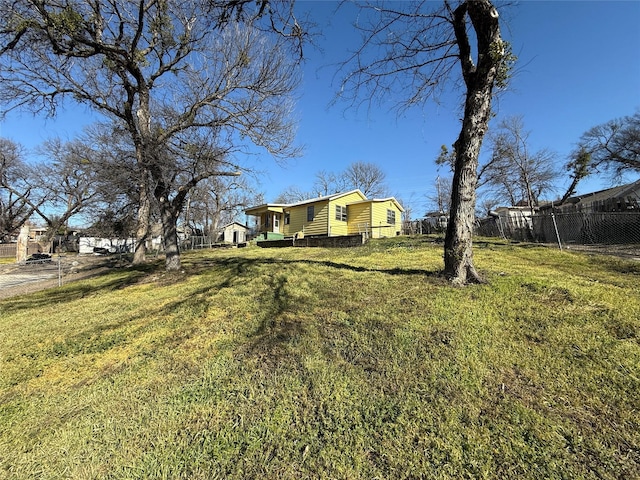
555	226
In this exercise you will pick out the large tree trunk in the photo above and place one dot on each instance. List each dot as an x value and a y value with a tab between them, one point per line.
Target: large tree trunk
458	251
479	80
170	235
140	129
142	231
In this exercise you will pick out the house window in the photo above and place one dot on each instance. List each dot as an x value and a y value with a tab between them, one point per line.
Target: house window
391	217
287	218
341	213
310	213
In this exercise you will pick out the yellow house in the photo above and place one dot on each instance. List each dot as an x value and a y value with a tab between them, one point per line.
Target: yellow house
333	215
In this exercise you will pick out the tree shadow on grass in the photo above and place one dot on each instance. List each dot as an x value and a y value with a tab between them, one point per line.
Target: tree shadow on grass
280	323
388	271
279	328
228	272
105	335
285	320
239	267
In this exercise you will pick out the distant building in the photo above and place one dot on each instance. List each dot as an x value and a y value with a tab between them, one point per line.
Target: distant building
624	198
436	221
507	222
234	233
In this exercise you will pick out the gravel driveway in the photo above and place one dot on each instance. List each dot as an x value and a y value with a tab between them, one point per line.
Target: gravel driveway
16	279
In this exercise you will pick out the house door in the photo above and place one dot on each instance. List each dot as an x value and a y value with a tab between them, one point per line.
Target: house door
276	223
235	236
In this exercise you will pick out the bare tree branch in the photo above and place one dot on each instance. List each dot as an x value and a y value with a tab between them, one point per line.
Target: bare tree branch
409	53
168	72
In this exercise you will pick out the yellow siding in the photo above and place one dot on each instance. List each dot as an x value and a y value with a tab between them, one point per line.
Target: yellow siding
288	230
352	197
380	227
338	227
320	219
285	229
298	219
359	216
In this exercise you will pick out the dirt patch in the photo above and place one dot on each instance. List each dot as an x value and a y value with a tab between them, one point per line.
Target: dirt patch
625	251
20	279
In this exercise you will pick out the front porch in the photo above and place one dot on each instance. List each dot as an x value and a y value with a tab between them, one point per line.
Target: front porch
269	221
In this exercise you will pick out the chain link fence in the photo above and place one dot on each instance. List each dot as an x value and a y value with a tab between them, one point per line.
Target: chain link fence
564	229
514	228
598	228
197	242
200	242
426	226
40	271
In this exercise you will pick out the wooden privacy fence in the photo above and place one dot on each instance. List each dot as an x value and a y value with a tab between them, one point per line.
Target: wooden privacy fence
9	249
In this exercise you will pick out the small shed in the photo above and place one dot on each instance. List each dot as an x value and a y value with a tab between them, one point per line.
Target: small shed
234	233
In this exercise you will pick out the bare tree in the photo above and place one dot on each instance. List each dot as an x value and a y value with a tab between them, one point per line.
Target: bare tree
68	181
515	173
182	78
414	48
441	197
367	177
17	197
407	215
82	176
109	153
328	183
612	147
486	203
217	201
293	194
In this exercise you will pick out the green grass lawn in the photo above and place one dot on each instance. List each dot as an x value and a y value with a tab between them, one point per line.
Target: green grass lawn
314	363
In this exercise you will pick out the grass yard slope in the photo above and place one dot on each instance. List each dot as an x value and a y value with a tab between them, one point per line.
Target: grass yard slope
336	364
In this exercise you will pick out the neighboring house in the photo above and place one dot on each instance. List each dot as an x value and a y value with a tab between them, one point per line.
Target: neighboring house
518	217
333	215
508	222
607	216
234	232
436	221
37	233
624	198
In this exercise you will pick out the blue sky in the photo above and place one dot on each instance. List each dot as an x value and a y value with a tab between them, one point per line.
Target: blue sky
579	66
